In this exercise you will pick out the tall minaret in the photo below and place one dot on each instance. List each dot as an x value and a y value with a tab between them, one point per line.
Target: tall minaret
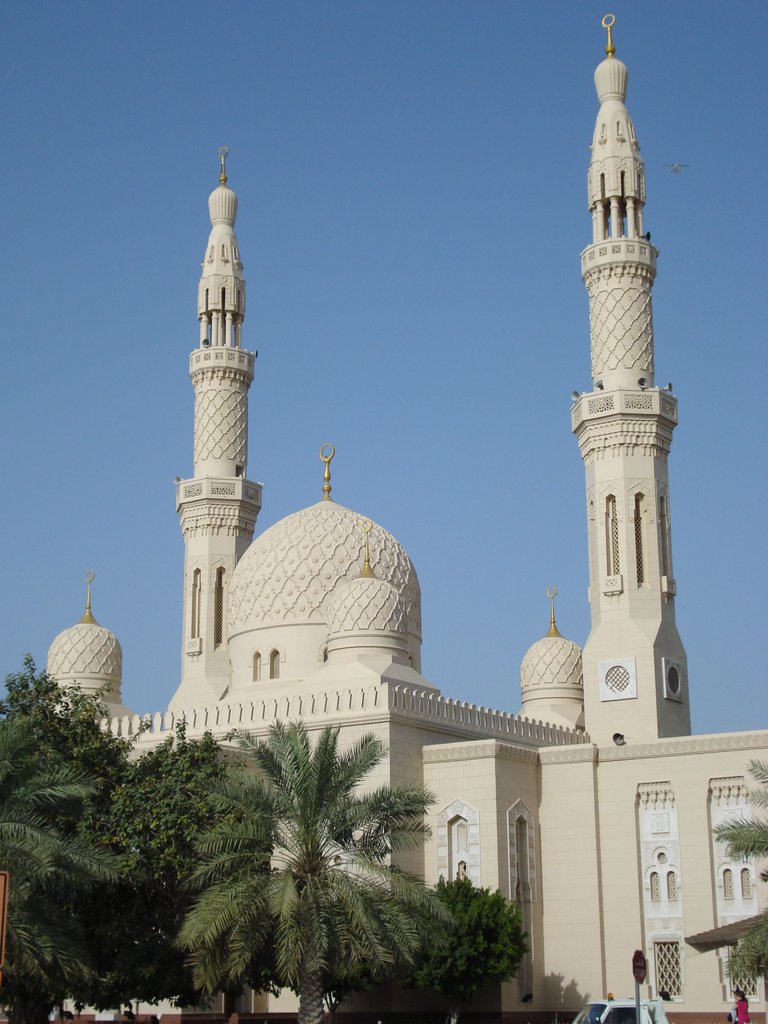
218	506
635	674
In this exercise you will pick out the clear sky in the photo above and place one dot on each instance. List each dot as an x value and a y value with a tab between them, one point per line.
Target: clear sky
412	186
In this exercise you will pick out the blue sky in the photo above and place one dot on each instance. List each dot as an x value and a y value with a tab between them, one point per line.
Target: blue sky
412	185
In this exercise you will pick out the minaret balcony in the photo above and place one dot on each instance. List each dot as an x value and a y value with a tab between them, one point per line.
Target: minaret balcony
611	251
220	357
218	489
651	402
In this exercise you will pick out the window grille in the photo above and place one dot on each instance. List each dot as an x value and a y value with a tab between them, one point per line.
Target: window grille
655	888
668	968
612	537
218	609
639	539
728	884
746	884
749	986
256	667
671	885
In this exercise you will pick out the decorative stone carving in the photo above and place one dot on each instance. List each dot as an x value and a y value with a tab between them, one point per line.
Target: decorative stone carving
221	425
86	649
289	573
366	604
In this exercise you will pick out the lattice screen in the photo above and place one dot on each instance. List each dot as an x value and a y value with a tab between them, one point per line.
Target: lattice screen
668	972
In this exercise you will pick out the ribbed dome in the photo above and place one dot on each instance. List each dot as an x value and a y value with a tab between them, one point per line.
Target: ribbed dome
611	77
86	651
222	205
288	574
552	661
366	605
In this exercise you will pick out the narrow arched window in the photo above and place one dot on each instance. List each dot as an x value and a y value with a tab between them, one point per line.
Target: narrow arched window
612	563
666	568
256	667
274	665
218	609
458	846
746	883
194	626
728	884
655	887
671	885
639	555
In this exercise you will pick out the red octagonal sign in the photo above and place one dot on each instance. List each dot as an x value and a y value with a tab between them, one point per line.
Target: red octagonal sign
639	965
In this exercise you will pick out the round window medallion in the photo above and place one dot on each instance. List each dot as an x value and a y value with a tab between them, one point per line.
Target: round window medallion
662	858
617	678
673	680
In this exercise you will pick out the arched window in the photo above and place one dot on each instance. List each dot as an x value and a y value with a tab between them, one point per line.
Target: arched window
728	884
671	885
612	563
256	667
218	609
639	560
746	883
458	846
666	566
274	665
194	628
655	887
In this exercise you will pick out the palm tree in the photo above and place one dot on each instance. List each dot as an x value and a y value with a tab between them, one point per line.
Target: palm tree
50	865
748	838
301	860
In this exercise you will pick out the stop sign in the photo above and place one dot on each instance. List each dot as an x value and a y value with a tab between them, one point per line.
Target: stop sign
639	965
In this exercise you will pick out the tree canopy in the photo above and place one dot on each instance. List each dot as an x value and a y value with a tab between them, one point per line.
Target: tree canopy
484	943
300	861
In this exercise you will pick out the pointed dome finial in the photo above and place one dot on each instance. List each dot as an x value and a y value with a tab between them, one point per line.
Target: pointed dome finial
223	152
366	572
553	630
90	576
608	22
326	454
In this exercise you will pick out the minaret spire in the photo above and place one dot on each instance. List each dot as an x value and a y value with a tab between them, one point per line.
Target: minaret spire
635	676
218	506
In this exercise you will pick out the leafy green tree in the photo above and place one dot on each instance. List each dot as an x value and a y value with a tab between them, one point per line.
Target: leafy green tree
748	838
300	859
52	868
483	944
161	804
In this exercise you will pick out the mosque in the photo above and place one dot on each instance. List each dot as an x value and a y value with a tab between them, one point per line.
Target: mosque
592	808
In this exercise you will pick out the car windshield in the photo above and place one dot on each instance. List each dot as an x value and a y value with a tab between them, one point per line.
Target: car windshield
620	1015
590	1014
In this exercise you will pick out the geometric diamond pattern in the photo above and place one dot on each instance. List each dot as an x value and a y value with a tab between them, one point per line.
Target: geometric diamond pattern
221	425
366	604
86	648
553	660
289	573
621	325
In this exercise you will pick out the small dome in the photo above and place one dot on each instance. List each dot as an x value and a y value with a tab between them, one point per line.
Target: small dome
88	654
611	77
222	205
288	574
366	604
552	661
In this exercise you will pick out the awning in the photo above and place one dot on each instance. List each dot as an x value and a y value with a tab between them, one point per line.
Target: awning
724	935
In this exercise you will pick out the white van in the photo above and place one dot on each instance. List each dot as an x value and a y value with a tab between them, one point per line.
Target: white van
622	1011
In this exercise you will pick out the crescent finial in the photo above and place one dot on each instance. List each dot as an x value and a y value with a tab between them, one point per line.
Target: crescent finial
326	454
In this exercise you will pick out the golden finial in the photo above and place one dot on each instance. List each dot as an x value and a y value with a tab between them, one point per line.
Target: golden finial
552	594
223	152
90	576
366	572
608	22
326	454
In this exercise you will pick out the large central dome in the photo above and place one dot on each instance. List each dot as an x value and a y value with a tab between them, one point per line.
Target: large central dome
287	575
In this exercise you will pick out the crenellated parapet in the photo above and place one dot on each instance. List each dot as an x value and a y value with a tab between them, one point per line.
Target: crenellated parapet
348	706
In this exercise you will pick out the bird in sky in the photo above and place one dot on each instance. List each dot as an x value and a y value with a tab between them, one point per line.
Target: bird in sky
676	167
